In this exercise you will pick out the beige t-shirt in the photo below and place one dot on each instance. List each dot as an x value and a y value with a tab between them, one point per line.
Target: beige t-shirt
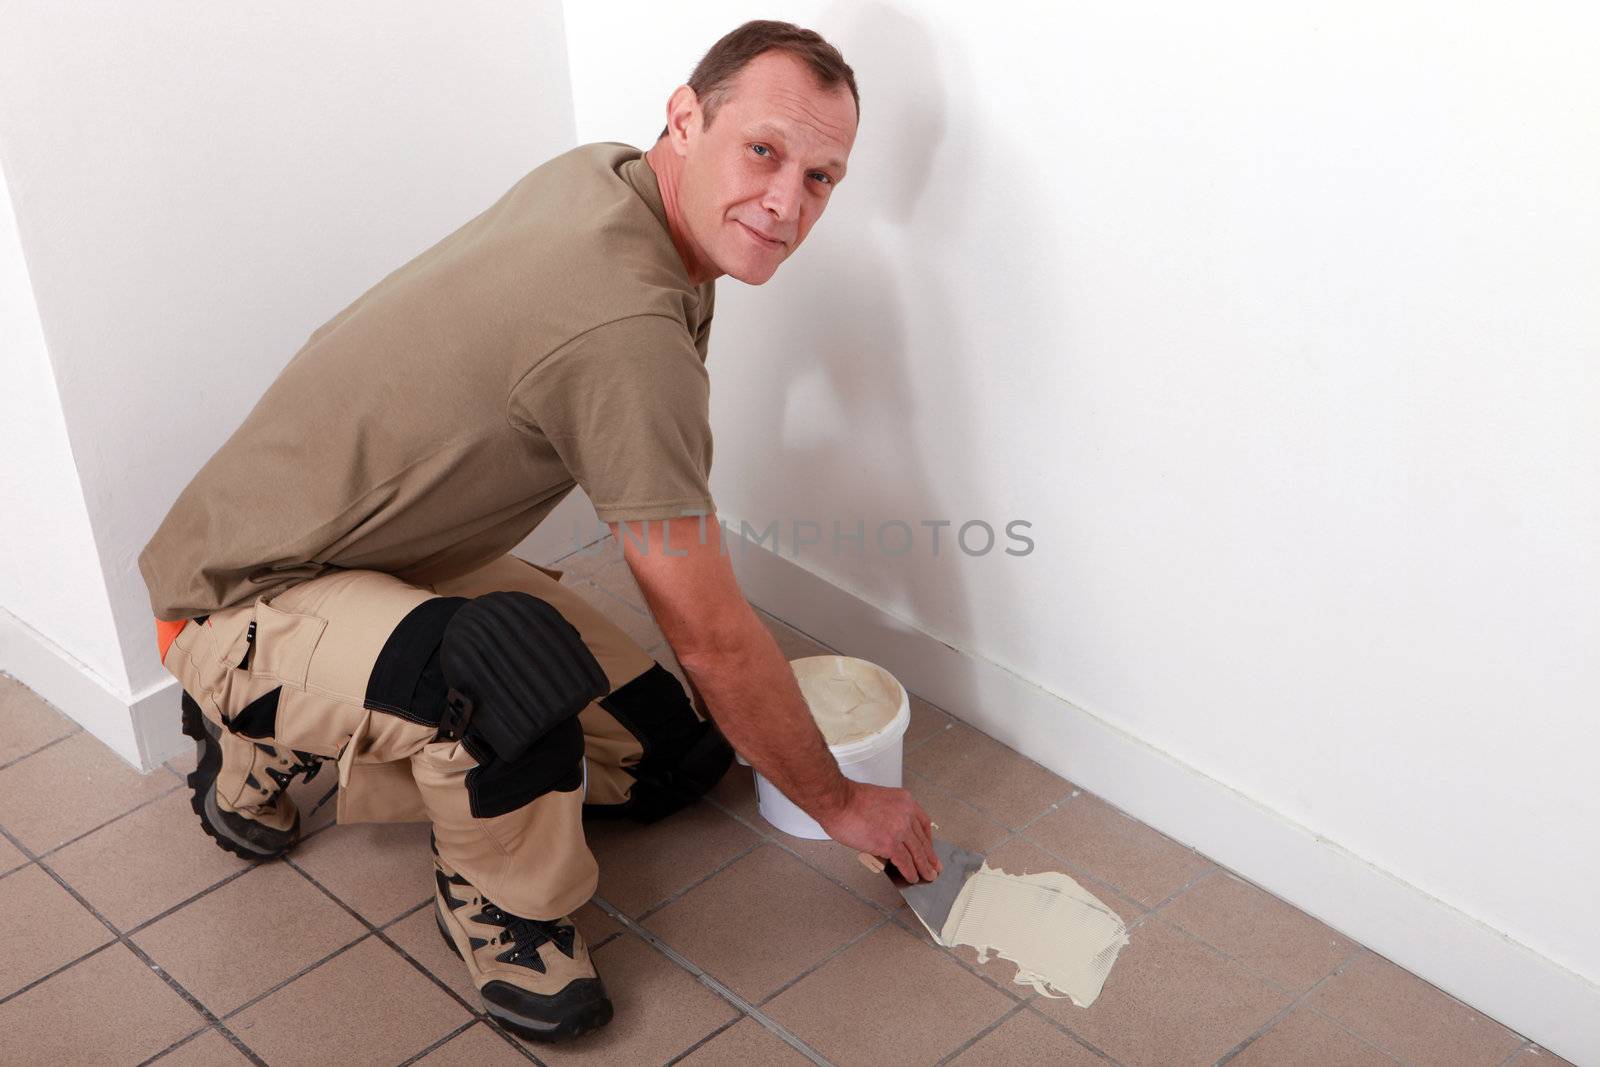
428	427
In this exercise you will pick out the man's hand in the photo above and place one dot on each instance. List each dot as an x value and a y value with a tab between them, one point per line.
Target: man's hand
751	692
890	824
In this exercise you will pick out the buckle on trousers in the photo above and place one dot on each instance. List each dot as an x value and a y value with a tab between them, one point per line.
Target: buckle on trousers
458	709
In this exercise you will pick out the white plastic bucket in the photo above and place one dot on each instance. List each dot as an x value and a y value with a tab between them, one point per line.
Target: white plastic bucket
874	758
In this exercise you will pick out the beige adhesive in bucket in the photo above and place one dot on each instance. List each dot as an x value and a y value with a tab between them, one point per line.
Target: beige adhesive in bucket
1062	939
849	699
862	713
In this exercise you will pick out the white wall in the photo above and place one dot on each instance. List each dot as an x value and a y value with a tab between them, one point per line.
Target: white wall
197	187
1279	325
49	571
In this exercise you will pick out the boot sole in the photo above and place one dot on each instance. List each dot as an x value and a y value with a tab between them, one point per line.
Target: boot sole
590	1019
202	783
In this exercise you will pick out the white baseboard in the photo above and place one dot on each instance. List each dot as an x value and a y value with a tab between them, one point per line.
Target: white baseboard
1500	977
69	685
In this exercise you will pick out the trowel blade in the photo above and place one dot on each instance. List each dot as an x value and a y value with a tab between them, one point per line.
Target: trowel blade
932	900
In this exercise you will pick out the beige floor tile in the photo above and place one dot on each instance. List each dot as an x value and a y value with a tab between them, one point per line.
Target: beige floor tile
1306	1037
110	1008
41	927
594	925
11	857
840	864
367	1005
958	822
379	869
210	1049
617	579
637	624
26	721
1018	856
888	999
737	792
1170	1001
418	936
1401	1013
745	1044
1538	1057
660	1008
580	564
987	774
926	721
248	936
184	762
1093	836
1267	935
70	788
643	865
476	1046
146	862
759	922
1026	1040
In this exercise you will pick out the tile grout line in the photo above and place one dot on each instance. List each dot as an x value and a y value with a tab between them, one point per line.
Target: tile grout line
53	849
697	883
776	842
891	913
381	933
1527	1044
704	1041
378	932
877	925
139	953
1299	1001
301	973
1033	1006
207	1028
141	927
446	1039
772	1025
54	741
1005	1016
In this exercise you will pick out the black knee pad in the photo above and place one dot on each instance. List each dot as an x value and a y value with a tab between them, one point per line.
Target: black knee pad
516	671
554	763
684	755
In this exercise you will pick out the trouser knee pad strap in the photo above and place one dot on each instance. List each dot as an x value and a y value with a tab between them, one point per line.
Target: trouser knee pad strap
516	670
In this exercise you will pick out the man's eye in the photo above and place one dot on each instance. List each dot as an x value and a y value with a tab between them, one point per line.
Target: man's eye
826	180
761	149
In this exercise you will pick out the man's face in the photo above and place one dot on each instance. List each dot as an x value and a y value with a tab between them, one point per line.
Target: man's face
755	183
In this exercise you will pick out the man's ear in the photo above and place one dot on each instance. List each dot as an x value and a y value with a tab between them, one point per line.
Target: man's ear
683	118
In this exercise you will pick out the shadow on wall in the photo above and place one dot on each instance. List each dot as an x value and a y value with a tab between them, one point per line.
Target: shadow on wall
873	398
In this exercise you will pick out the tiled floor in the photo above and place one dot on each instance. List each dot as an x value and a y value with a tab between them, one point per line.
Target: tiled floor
128	936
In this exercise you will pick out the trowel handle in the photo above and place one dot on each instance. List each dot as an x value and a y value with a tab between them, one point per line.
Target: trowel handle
870	862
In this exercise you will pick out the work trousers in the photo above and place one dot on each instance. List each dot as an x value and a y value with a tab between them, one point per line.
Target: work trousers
346	666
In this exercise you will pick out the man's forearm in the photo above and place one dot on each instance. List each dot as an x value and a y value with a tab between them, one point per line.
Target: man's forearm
751	693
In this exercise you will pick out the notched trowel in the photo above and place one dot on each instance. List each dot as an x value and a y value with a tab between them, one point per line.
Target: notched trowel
931	901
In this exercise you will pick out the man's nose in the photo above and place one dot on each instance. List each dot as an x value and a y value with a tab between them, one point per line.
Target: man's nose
783	198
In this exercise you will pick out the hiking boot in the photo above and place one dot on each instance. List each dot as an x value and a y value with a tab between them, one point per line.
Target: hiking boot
261	822
534	975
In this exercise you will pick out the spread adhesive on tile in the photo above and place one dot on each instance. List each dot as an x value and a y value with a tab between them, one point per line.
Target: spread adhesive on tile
1062	939
849	699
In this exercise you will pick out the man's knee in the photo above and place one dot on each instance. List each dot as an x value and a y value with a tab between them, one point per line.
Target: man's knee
683	755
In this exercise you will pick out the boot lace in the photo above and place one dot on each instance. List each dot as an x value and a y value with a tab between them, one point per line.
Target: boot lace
526	935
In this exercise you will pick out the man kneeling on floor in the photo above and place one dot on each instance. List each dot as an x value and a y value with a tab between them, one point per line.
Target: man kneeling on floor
335	584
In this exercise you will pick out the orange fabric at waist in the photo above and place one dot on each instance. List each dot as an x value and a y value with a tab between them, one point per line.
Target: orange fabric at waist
166	633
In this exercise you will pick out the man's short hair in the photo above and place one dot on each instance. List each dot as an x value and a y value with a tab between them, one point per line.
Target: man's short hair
713	76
